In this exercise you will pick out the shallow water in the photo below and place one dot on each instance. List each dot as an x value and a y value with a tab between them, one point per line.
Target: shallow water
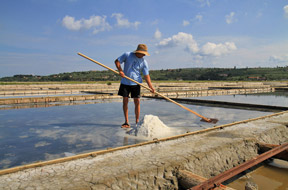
40	95
38	134
266	177
272	98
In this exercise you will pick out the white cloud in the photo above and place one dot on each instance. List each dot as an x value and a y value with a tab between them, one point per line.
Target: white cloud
155	22
185	23
199	17
123	22
212	49
259	14
187	41
285	8
204	2
230	18
157	34
97	23
279	59
182	39
70	23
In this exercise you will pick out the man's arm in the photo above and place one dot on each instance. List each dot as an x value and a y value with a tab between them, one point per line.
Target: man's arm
118	65
148	81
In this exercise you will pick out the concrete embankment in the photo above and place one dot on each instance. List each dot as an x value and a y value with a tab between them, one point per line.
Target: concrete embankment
154	164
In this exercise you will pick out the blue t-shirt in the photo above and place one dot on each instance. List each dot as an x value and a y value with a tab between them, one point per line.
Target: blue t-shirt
133	66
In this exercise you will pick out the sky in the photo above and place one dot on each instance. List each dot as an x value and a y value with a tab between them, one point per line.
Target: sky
43	37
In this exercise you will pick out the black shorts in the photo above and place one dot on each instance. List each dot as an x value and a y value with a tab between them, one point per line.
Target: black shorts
125	90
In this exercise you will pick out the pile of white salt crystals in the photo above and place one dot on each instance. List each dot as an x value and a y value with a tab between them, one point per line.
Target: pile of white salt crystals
151	127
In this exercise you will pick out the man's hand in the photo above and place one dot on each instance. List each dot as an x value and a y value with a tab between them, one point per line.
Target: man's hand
121	73
152	90
148	81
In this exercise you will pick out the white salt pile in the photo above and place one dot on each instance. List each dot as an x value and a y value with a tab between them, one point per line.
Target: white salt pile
151	127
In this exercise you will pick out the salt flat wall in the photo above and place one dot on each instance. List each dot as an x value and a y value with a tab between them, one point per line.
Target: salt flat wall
197	93
155	165
6	90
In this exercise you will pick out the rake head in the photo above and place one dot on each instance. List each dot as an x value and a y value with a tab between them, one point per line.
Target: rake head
210	120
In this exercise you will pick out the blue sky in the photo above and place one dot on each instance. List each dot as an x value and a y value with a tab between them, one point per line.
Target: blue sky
42	37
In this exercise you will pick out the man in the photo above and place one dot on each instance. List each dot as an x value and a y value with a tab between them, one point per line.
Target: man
134	64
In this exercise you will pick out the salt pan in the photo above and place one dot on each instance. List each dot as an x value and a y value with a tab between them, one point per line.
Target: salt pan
151	127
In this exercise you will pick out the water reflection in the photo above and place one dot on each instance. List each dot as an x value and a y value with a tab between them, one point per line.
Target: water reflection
52	104
40	95
30	135
272	98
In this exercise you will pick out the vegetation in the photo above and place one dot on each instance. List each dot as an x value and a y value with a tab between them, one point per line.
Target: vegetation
187	74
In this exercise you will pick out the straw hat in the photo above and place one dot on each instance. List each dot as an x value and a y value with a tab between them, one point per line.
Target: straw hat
142	48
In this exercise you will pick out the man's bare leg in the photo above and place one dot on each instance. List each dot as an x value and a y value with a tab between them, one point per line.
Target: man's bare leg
125	108
137	109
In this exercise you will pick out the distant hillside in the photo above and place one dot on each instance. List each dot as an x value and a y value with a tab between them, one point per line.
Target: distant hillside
231	74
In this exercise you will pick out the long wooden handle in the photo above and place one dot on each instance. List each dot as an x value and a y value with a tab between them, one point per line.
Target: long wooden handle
144	86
